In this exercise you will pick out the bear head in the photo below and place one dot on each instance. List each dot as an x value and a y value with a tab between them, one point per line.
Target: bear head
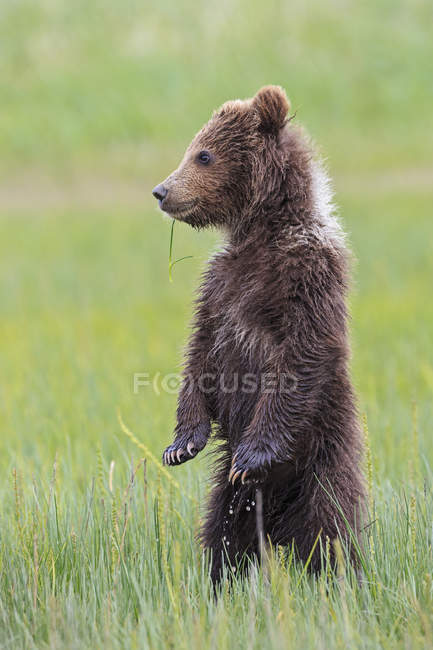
225	166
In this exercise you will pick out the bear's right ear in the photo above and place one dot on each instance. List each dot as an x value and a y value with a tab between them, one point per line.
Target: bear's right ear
272	106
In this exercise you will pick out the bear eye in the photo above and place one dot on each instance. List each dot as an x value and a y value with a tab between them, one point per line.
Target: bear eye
204	157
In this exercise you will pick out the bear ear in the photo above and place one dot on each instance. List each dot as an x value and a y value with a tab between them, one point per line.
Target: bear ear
272	106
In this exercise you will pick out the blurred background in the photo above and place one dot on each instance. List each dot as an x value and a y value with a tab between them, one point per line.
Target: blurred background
97	103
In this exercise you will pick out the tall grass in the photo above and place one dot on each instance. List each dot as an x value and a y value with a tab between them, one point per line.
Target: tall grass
120	567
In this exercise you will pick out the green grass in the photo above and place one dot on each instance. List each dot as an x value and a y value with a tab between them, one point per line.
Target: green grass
106	95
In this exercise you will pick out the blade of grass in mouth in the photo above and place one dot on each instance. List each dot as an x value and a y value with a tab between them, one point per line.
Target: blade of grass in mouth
171	263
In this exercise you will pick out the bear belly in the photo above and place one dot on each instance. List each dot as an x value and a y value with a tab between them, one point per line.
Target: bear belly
238	364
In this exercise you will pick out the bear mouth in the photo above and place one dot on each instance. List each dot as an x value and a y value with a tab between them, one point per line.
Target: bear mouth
179	211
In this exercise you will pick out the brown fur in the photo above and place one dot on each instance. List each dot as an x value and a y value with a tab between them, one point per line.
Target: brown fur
271	302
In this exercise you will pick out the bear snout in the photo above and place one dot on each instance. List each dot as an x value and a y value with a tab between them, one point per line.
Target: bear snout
160	192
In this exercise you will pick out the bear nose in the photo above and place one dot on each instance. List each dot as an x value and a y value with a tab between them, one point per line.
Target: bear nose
160	192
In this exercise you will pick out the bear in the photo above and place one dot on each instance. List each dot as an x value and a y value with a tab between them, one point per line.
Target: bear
267	364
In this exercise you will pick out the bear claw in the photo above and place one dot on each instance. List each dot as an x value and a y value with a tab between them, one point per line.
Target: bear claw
234	474
191	448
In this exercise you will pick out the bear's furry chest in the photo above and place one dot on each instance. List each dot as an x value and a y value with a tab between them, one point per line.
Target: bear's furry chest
242	313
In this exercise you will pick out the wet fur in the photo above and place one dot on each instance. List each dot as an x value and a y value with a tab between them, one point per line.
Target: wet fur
272	301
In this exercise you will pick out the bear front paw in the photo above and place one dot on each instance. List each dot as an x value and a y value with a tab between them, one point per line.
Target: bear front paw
250	466
186	445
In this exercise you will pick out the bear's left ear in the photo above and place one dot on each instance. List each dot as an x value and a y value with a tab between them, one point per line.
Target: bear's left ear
272	106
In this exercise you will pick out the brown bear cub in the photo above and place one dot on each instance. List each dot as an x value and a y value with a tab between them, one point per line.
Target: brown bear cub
267	363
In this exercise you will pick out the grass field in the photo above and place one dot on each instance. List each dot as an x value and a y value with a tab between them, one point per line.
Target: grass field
98	101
